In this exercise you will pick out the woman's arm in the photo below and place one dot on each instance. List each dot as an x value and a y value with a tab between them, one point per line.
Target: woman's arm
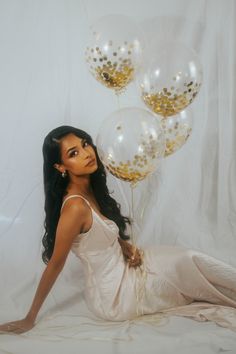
71	223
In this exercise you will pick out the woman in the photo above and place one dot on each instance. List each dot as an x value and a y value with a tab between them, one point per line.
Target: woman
121	282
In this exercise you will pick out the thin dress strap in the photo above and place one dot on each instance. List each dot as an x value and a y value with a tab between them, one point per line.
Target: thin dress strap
73	196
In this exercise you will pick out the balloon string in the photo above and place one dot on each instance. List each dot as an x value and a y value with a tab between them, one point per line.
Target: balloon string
132	215
118	100
140	281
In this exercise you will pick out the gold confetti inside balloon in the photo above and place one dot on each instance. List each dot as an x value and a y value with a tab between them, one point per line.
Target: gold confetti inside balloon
131	143
177	130
170	79
114	51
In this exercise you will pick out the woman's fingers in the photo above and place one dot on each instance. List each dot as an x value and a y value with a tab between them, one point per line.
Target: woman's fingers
132	254
7	327
136	259
16	327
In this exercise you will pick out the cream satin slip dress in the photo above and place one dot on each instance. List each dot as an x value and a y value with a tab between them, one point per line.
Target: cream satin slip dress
170	278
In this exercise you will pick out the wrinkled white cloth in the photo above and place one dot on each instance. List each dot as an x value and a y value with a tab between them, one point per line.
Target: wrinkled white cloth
172	280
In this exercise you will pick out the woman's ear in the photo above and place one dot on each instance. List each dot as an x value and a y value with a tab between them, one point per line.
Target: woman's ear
58	167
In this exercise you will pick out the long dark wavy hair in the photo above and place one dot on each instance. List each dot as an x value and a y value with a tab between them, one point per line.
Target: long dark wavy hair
55	188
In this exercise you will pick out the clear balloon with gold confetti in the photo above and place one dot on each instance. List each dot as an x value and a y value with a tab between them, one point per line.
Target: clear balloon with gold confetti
177	130
131	144
114	51
170	78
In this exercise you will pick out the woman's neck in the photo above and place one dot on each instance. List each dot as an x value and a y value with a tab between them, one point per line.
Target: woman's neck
81	186
85	190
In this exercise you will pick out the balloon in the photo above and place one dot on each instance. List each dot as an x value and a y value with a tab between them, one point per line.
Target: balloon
170	79
114	51
130	143
177	130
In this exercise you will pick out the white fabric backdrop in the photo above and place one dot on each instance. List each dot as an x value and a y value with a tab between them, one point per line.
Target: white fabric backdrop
45	83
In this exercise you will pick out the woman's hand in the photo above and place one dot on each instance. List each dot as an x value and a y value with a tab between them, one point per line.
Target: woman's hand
17	327
136	259
132	254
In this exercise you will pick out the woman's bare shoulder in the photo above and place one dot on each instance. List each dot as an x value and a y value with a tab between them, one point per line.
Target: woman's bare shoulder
76	206
74	218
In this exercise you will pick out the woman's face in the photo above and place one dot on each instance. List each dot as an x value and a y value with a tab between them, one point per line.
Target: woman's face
77	156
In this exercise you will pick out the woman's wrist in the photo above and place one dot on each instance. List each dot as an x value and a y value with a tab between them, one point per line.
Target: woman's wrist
31	317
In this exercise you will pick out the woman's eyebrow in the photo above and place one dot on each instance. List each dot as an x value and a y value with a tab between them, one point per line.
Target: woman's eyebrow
70	149
82	140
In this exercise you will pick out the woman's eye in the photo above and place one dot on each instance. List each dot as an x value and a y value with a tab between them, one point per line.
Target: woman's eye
73	153
86	143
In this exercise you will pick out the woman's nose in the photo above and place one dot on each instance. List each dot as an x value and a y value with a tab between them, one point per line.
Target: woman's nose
84	153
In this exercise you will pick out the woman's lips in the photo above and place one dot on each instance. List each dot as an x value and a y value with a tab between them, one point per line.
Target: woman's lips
91	162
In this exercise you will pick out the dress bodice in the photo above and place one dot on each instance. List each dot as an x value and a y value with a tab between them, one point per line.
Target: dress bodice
102	233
